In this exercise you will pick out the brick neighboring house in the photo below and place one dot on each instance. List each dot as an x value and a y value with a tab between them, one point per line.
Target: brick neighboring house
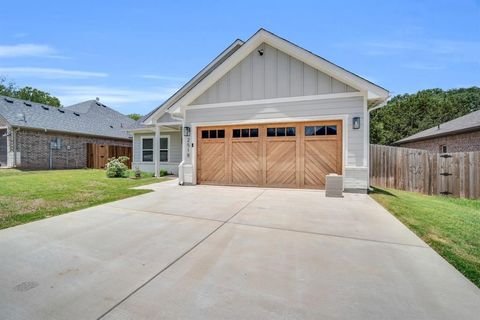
458	135
38	136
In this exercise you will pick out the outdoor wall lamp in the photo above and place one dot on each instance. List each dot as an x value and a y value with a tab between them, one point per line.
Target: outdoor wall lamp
356	122
186	131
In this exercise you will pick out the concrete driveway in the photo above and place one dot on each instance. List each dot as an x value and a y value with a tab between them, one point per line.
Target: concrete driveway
228	253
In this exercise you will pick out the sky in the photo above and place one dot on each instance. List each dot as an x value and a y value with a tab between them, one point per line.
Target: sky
134	54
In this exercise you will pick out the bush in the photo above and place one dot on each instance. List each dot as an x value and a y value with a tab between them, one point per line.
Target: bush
163	173
117	168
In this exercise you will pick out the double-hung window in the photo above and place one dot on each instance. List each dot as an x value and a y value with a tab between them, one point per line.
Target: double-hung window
164	149
147	149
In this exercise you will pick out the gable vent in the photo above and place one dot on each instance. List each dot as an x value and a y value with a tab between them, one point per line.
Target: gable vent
8	100
45	108
61	111
77	114
27	104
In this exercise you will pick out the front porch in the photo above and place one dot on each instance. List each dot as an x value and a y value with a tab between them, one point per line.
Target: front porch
157	148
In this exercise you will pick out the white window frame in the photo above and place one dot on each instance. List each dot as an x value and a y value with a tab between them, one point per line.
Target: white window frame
443	146
153	152
168	149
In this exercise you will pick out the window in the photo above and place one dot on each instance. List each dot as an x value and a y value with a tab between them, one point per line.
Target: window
443	149
281	132
245	133
164	149
147	150
321	130
213	134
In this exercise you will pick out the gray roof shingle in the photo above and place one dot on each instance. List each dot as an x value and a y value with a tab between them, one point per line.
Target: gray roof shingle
467	122
88	118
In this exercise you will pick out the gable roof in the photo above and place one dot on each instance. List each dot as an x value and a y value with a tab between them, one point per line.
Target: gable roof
376	94
193	82
85	118
469	122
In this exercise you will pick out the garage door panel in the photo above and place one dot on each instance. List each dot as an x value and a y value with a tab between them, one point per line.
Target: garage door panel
245	163
281	163
212	161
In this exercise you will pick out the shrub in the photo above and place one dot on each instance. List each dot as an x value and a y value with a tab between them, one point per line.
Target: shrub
116	167
163	173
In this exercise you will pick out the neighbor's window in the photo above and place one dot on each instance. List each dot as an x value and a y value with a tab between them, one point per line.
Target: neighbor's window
147	150
164	149
443	149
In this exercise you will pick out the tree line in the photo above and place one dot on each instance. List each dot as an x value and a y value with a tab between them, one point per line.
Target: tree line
407	114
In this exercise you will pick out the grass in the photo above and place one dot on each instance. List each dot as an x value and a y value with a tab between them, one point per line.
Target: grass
451	226
32	195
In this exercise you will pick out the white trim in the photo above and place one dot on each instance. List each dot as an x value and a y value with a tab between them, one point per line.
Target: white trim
141	149
332	96
342	117
263	36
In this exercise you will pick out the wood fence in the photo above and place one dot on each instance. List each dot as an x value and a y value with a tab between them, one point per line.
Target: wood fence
98	154
456	174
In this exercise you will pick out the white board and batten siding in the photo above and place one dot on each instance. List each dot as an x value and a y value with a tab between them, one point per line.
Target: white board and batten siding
271	75
175	152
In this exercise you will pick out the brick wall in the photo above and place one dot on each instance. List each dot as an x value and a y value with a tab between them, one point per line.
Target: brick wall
34	147
462	142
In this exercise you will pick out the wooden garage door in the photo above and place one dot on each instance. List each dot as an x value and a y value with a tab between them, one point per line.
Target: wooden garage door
293	155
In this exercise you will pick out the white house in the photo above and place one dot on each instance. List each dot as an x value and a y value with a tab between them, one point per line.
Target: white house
265	112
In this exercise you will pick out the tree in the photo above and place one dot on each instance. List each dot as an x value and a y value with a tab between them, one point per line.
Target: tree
408	114
134	116
27	93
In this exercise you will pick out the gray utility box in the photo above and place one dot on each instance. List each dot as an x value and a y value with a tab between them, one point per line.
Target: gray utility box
334	185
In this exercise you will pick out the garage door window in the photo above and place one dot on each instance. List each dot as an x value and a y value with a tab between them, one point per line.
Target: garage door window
213	134
281	132
321	130
245	133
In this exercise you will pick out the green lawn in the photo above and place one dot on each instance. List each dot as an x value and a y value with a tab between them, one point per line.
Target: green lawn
451	226
31	195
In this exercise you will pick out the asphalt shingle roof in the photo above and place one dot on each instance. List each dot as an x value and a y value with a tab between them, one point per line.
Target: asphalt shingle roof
88	118
467	122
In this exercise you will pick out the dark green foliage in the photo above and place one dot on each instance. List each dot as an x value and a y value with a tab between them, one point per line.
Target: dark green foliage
408	114
134	116
27	93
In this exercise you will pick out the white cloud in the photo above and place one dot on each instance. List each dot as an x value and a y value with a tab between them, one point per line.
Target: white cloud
447	50
160	77
26	50
49	73
112	96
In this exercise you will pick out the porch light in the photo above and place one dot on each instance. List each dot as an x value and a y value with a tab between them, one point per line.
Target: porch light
356	122
186	131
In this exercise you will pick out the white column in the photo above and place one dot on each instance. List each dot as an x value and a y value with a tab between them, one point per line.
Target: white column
156	151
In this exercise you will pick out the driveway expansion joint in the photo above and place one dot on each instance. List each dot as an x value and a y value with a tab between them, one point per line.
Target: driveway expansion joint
329	235
180	257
